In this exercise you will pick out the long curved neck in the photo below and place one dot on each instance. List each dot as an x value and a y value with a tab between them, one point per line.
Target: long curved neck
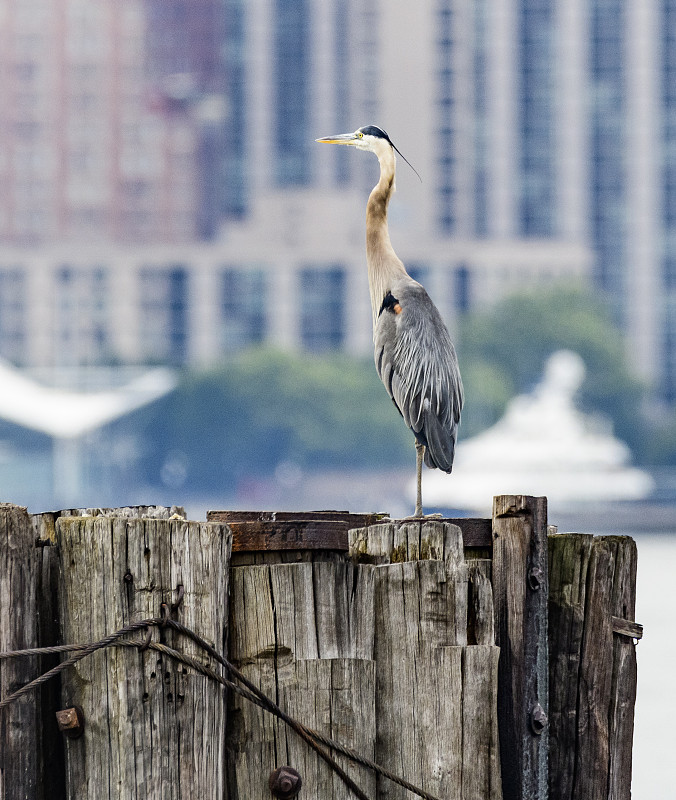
384	267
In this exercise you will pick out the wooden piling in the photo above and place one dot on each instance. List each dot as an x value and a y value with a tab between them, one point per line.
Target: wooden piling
592	666
20	773
152	728
382	635
298	632
520	596
427	677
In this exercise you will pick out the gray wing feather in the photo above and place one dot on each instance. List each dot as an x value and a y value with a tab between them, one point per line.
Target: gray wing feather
416	361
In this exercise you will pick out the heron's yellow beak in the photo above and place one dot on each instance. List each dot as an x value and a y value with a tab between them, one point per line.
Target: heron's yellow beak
341	138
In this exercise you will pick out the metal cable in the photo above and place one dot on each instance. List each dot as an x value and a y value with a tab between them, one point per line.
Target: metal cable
42	651
273	708
69	662
209	673
250	691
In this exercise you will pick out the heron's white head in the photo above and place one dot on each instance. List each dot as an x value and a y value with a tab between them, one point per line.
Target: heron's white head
371	138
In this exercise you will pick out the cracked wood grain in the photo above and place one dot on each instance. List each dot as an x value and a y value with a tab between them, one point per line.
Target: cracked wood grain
152	728
20	773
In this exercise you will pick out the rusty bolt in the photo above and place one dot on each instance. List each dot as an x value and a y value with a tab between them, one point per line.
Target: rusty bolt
535	577
538	719
285	783
71	722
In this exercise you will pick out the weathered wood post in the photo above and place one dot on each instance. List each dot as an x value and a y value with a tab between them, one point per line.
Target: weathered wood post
592	665
302	631
436	696
20	764
152	728
371	650
520	593
379	634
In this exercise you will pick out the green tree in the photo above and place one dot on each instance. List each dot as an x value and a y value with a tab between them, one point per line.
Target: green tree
503	351
265	407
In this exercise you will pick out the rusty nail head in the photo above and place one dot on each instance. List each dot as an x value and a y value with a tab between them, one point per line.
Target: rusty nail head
71	722
128	577
285	783
538	719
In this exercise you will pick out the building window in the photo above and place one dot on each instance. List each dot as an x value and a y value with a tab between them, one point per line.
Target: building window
669	350
234	155
292	58
342	87
461	288
536	49
81	315
322	315
243	303
445	111
164	314
480	67
607	59
12	314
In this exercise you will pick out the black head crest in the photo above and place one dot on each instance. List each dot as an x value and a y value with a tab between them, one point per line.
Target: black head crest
374	130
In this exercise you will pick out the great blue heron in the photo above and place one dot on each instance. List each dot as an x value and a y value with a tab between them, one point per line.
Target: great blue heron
414	354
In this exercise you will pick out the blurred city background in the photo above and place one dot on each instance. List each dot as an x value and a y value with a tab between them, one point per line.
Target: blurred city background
184	312
163	203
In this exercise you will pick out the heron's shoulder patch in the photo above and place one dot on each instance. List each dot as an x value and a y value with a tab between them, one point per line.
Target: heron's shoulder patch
391	304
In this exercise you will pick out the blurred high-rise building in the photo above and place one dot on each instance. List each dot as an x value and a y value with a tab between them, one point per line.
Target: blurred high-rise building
184	58
544	131
163	198
87	150
530	120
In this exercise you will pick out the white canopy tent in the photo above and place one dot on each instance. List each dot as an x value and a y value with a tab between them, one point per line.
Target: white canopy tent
67	416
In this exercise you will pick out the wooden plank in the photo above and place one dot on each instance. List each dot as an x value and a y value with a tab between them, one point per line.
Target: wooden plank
352	520
292	535
20	731
420	618
375	542
476	532
151	726
520	599
337	698
436	704
625	627
418	710
50	692
480	738
595	678
283	530
593	669
445	585
623	685
410	614
568	564
480	610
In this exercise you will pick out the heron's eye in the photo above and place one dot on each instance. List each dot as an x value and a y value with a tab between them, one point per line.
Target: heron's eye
360	135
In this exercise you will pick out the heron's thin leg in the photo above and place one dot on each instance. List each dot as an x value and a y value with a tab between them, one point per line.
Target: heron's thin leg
419	452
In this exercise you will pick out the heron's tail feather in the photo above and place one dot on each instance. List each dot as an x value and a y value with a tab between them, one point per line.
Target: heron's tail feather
439	444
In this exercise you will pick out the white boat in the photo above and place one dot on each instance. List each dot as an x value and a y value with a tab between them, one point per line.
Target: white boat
543	445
